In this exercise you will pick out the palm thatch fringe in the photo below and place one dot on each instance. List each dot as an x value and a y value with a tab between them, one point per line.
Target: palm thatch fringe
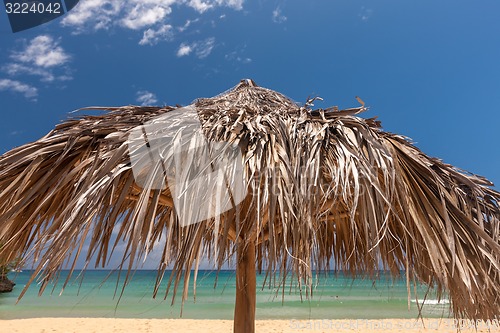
324	186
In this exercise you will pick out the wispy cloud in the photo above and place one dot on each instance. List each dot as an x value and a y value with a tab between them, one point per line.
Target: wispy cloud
42	51
184	50
238	57
154	36
28	91
278	17
236	4
204	48
202	6
187	25
148	15
93	14
201	48
14	133
199	5
145	97
42	57
145	13
365	13
46	75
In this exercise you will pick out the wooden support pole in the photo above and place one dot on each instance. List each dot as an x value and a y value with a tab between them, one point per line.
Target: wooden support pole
244	311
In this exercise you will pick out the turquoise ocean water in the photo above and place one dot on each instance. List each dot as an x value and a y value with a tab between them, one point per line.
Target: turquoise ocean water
335	297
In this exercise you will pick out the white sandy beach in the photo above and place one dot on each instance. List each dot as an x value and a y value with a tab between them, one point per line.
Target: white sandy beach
102	325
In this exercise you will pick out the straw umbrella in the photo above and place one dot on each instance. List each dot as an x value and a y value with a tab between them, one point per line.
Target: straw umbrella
304	189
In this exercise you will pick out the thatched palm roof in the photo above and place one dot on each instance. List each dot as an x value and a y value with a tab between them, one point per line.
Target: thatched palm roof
324	186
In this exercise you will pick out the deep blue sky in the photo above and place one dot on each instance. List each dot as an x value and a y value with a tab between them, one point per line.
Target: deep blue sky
428	69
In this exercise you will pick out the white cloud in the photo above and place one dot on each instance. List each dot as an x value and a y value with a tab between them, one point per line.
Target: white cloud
44	57
235	4
202	48
98	14
18	87
278	17
145	13
187	25
202	6
184	50
146	98
152	36
134	14
15	69
199	5
43	51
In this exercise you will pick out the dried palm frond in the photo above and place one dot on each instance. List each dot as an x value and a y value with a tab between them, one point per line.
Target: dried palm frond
323	186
